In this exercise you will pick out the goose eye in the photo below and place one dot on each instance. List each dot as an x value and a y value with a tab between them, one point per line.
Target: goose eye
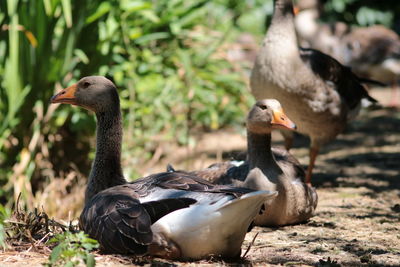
86	84
263	107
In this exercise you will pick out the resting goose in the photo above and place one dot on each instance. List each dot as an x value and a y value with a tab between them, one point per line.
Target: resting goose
296	202
316	91
173	215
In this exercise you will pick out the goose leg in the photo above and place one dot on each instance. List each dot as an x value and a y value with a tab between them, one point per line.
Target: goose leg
313	155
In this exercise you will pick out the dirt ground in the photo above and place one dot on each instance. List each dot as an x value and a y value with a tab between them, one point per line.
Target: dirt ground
357	222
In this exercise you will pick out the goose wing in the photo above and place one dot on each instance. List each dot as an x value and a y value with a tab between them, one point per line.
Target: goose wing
329	69
186	181
214	172
220	173
283	158
224	173
116	218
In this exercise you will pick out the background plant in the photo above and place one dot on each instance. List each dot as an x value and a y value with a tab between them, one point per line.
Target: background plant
73	249
4	215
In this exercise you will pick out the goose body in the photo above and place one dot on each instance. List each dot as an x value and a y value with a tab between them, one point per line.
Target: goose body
141	217
205	230
316	91
272	169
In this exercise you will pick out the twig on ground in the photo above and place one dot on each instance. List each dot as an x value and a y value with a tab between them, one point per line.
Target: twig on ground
250	245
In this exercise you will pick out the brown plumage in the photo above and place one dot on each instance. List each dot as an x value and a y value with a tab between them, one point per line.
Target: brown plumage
348	84
372	52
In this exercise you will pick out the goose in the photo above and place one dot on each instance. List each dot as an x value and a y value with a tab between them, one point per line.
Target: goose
372	52
280	171
173	215
318	93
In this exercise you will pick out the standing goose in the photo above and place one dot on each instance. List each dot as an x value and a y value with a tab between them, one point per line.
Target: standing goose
316	91
296	202
171	215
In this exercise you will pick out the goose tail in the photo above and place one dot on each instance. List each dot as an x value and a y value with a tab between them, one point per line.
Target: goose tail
248	205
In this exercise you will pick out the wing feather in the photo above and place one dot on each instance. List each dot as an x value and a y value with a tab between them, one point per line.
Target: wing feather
346	82
121	224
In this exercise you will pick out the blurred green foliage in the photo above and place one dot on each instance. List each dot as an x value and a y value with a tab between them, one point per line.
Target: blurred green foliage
167	58
4	215
362	12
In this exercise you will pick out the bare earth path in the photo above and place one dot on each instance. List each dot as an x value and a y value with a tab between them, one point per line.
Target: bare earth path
358	215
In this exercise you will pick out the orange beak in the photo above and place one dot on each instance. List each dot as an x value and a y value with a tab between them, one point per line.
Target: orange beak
66	96
281	121
296	10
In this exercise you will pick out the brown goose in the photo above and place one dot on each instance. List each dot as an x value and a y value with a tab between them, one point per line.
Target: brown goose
372	52
316	91
296	202
171	215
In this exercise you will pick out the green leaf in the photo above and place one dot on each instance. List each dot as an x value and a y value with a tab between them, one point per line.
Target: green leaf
66	5
47	7
152	37
131	6
103	9
150	15
81	55
55	253
90	260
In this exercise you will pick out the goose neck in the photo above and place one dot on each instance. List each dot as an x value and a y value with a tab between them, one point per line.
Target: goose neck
283	8
260	153
106	169
282	25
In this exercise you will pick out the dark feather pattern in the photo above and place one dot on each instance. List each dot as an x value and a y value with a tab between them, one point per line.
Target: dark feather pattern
158	209
186	181
116	218
347	83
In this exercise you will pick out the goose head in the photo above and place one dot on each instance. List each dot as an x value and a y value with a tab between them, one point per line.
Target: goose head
95	93
267	115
